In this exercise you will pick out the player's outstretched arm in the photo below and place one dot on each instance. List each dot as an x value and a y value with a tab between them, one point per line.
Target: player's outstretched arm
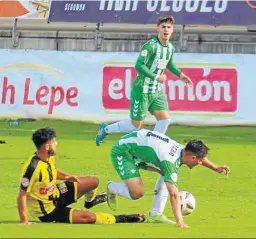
175	70
22	206
186	79
176	205
218	169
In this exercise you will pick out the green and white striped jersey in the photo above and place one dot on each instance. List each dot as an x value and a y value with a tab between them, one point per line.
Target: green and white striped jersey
150	148
154	58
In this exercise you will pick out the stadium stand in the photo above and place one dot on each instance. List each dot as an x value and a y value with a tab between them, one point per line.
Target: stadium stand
37	33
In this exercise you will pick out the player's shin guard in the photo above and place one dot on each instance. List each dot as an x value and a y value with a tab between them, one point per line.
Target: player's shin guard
105	218
162	125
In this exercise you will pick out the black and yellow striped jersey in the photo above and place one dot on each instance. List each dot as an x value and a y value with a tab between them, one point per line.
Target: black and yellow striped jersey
38	179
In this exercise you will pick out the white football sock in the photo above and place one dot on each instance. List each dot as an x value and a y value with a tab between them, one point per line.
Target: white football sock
121	126
160	192
120	189
160	197
162	125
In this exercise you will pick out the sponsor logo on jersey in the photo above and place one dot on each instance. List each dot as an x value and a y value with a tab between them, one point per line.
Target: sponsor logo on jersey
133	171
151	134
162	63
46	190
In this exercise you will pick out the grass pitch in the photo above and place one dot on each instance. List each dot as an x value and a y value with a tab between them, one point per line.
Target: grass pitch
225	205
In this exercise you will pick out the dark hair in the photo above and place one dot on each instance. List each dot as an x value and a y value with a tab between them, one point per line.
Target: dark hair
197	147
164	20
41	136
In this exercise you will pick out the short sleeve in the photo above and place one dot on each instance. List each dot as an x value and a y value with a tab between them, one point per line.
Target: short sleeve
170	172
28	174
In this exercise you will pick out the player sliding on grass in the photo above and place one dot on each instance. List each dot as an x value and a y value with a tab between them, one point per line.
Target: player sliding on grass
49	201
153	151
147	94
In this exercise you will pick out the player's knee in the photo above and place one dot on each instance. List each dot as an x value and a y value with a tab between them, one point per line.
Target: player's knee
89	182
87	217
137	194
95	181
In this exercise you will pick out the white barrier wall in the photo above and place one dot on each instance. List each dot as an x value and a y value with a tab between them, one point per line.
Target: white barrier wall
96	86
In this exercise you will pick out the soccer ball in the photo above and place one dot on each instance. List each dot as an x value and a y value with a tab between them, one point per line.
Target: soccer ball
188	203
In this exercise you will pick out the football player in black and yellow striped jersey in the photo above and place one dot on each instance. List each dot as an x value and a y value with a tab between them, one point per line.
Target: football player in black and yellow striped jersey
48	200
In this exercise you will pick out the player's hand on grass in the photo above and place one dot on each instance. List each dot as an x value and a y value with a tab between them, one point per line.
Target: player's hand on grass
186	80
183	225
27	223
223	168
161	78
73	179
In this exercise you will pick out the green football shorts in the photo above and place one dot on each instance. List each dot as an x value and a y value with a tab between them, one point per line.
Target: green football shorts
141	103
125	166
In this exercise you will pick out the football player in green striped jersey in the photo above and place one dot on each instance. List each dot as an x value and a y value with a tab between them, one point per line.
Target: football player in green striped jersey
147	93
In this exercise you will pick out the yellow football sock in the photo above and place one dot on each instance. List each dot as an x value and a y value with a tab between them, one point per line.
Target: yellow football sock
104	218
